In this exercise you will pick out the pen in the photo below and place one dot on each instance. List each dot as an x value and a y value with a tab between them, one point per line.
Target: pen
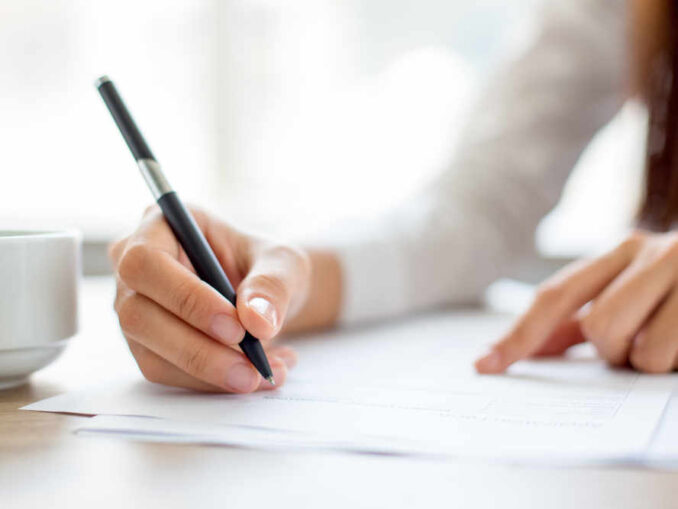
178	217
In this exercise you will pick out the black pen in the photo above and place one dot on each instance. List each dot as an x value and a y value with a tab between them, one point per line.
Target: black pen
178	217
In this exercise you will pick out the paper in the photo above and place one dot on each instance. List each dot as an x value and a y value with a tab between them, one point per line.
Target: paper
410	387
663	450
176	431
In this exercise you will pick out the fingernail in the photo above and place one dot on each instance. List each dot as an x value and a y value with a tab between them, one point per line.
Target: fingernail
242	378
227	329
490	363
264	309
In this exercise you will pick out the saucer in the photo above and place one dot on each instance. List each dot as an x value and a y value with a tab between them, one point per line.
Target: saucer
17	364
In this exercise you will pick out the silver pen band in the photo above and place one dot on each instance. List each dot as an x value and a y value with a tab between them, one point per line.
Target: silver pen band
154	177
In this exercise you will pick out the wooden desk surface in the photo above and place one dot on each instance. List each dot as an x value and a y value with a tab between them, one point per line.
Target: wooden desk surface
43	463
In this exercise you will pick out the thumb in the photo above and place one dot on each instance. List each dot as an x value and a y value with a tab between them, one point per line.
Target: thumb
276	285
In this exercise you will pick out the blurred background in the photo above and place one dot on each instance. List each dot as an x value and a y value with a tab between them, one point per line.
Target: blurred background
282	116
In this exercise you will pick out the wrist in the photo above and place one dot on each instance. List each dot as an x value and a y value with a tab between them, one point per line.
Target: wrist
323	303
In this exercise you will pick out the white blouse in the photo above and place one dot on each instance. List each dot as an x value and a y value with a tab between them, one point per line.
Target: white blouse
478	219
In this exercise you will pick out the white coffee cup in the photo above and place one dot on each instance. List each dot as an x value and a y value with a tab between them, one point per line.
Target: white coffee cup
39	274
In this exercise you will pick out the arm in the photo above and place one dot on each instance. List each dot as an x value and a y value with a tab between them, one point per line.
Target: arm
478	218
442	247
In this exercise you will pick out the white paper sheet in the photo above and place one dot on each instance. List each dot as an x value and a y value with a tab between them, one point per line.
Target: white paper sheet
663	450
410	387
175	431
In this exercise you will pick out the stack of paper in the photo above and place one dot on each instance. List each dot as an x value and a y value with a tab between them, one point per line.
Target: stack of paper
407	388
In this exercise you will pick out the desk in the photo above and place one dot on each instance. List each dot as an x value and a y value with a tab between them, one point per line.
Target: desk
43	464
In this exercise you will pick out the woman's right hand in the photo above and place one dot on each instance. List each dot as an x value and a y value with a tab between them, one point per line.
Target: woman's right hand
180	330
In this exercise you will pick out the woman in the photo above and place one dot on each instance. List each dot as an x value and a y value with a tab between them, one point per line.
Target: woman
444	247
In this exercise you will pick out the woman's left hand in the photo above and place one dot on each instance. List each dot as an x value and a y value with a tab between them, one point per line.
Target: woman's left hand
632	317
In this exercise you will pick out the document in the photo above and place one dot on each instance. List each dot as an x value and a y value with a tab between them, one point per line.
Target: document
663	450
407	387
176	431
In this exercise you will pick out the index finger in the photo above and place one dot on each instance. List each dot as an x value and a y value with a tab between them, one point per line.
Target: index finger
150	265
557	300
160	277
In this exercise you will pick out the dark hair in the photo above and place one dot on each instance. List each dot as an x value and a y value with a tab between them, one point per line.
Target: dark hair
657	82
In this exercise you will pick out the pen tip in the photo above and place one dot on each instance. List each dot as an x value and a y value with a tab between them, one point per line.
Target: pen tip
270	380
101	80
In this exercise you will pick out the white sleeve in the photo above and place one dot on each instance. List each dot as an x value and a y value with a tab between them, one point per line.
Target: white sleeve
478	218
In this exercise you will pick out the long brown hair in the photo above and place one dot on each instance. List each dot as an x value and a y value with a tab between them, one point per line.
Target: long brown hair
655	44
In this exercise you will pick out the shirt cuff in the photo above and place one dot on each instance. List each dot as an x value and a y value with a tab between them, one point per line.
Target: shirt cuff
374	281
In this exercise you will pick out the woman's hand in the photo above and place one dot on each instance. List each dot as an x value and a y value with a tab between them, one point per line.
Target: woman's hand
632	317
180	330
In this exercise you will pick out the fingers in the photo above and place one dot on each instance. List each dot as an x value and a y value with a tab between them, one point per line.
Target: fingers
152	232
556	301
566	335
655	348
160	277
190	350
274	288
157	370
287	355
169	316
622	308
115	250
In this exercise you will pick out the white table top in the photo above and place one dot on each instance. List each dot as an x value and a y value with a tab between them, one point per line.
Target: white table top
43	463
